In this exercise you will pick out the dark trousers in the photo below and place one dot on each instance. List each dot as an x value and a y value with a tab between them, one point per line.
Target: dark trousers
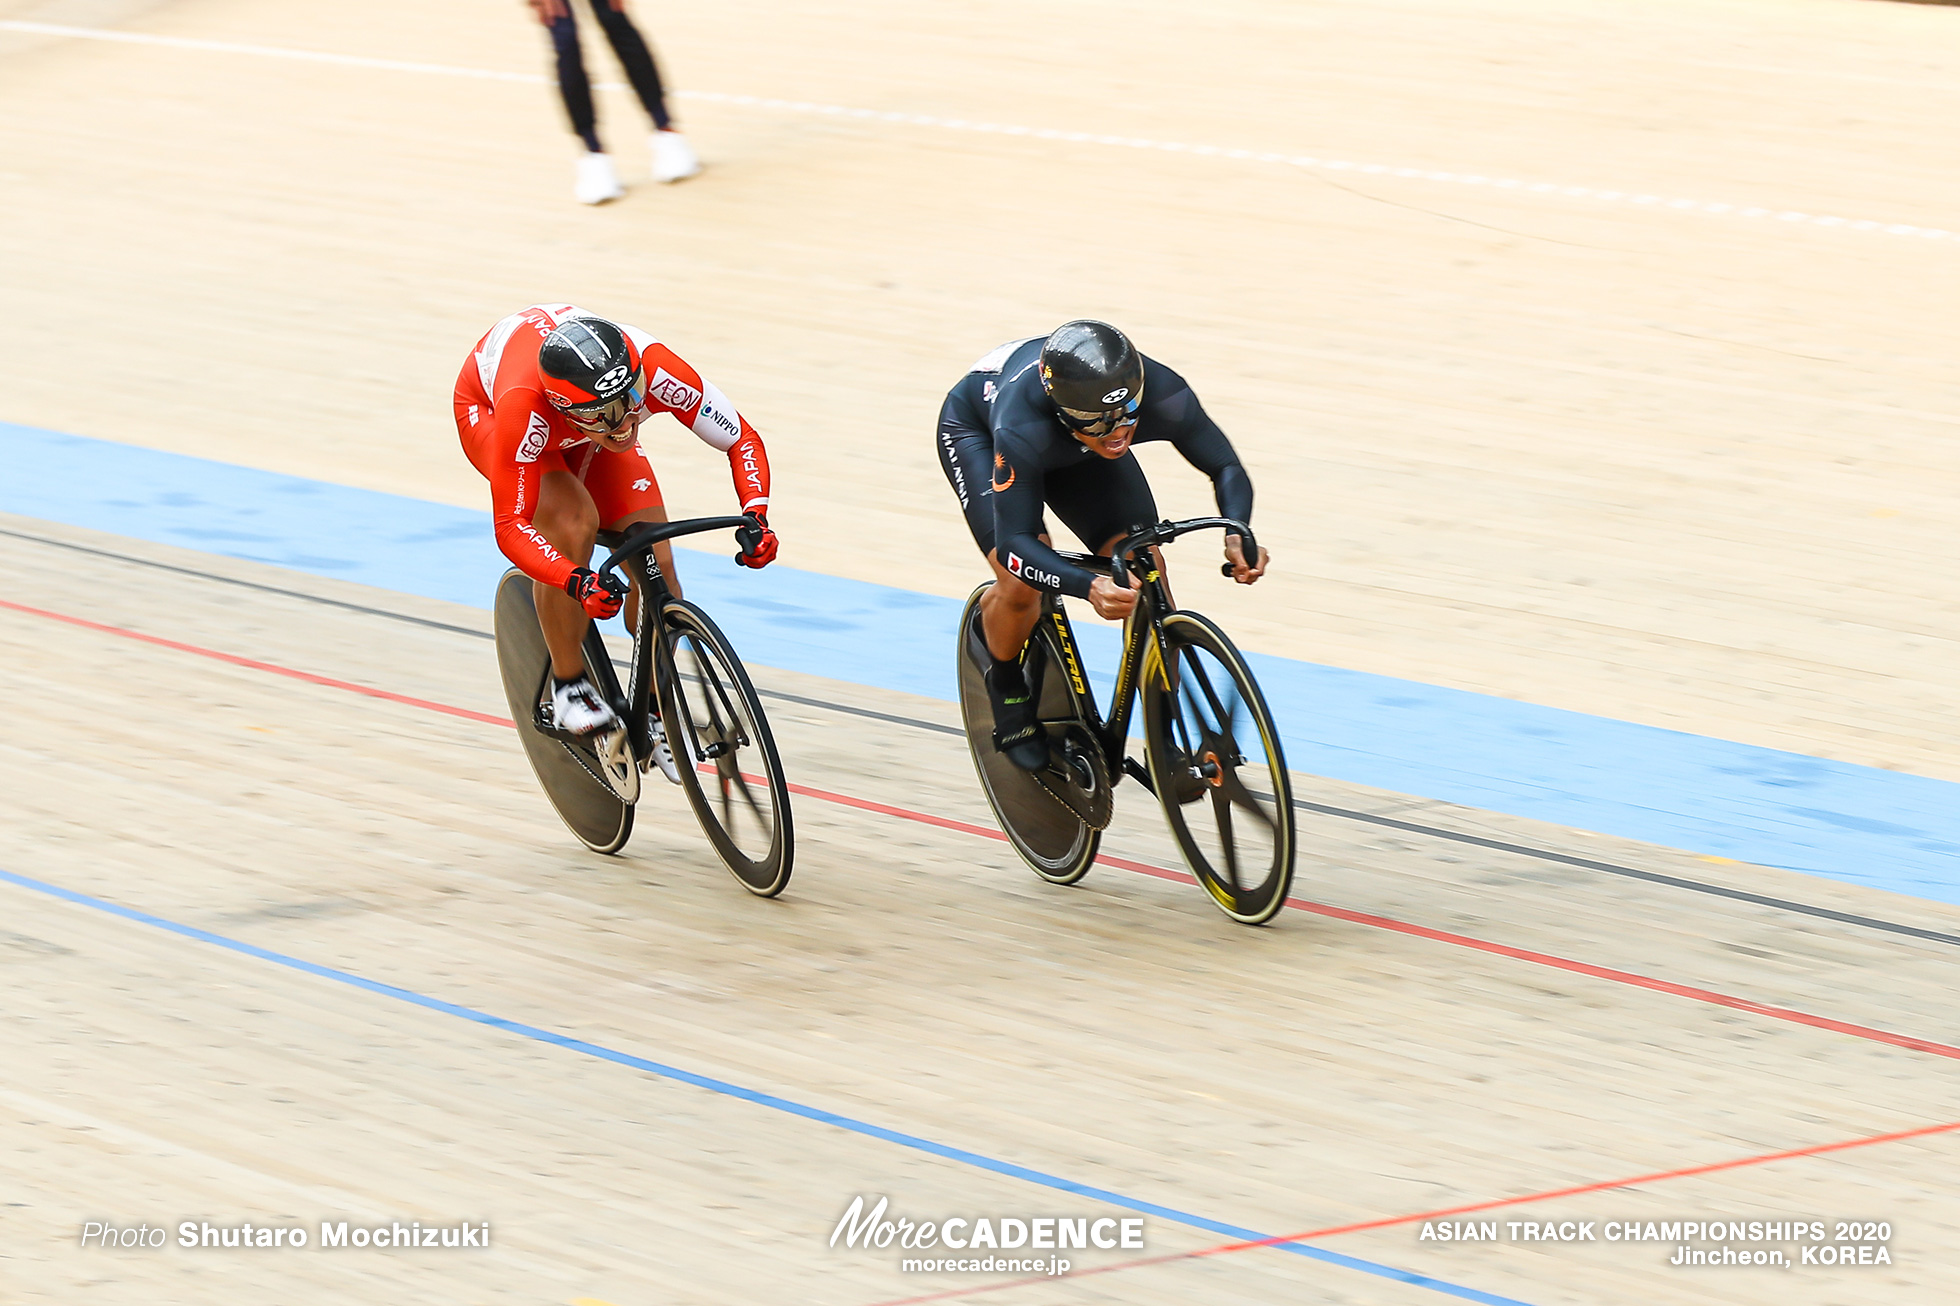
633	54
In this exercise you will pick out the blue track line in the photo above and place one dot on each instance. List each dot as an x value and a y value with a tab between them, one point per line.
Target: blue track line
751	1095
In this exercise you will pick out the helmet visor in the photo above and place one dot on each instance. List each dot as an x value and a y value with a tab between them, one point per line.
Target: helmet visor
607	417
1100	422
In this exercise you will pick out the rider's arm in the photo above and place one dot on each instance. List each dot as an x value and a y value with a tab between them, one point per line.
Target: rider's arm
1186	424
1018	489
515	481
674	386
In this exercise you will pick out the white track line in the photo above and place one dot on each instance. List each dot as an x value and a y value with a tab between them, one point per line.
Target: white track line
1658	202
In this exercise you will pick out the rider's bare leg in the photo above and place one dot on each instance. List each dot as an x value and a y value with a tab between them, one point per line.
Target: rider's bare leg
567	517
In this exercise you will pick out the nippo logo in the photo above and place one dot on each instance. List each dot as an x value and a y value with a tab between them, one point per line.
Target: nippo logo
612	382
1117	396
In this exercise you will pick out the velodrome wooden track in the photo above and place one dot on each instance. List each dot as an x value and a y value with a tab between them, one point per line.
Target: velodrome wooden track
1652	462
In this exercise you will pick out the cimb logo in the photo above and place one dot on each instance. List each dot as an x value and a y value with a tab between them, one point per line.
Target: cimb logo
1031	574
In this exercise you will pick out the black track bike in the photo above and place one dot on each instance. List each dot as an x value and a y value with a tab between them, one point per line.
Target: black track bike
1212	755
683	670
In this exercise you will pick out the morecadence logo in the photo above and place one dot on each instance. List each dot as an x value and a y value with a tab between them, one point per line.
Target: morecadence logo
869	1224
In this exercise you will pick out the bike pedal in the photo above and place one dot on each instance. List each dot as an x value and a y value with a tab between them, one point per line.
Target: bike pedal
1135	769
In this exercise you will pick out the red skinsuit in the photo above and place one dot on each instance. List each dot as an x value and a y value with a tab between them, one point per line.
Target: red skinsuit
513	435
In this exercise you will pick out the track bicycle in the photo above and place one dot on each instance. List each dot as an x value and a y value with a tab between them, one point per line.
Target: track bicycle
1212	754
684	673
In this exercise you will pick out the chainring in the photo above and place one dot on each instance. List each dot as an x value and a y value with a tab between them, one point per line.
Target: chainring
1077	775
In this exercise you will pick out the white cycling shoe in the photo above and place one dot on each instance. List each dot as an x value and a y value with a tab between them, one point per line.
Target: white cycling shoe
673	157
662	755
578	707
598	180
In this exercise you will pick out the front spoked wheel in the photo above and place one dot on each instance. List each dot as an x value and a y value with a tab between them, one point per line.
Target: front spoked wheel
726	755
1216	764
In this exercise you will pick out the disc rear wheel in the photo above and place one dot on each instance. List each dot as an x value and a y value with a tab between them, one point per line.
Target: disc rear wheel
1038	819
572	775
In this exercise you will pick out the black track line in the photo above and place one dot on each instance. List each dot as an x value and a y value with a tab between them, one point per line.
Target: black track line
451	627
1652	877
1343	813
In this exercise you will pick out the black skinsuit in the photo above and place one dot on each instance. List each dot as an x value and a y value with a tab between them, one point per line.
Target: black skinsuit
1007	454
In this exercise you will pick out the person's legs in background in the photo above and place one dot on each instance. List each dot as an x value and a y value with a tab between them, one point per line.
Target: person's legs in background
673	157
597	180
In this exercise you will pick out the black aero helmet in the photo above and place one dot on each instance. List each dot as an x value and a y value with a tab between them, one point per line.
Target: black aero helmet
1094	375
592	373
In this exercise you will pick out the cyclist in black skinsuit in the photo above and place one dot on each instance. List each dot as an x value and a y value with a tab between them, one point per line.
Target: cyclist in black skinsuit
1049	423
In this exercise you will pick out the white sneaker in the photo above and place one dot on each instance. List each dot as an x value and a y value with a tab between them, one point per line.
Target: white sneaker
577	706
673	157
597	180
663	756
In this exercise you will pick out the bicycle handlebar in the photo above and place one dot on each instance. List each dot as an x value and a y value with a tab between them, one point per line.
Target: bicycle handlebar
649	533
1163	533
1166	531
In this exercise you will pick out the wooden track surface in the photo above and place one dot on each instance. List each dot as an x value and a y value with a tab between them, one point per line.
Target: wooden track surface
1676	468
1121	1034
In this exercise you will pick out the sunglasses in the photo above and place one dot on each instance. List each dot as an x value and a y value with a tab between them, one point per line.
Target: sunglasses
1097	425
605	418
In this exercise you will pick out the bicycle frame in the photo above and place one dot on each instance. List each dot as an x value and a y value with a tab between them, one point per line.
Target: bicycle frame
649	650
1143	631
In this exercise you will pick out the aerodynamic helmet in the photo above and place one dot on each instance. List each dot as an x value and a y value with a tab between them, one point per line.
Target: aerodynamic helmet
1094	375
592	374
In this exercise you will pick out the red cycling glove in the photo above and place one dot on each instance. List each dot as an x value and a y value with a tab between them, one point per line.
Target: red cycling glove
600	595
757	540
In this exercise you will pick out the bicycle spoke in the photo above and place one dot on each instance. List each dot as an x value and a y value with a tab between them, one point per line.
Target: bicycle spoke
1232	788
1221	807
721	703
748	794
1181	728
726	732
732	779
1218	712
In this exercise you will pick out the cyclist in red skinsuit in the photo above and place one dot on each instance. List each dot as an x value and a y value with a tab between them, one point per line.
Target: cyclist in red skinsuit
563	460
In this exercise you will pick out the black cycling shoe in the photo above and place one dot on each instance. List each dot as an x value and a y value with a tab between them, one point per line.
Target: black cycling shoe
1017	732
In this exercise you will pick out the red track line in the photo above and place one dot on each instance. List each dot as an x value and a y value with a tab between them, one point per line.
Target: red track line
275	669
905	813
1222	1249
1906	1041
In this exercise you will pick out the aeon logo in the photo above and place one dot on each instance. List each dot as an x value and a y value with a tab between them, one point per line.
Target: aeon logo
536	432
